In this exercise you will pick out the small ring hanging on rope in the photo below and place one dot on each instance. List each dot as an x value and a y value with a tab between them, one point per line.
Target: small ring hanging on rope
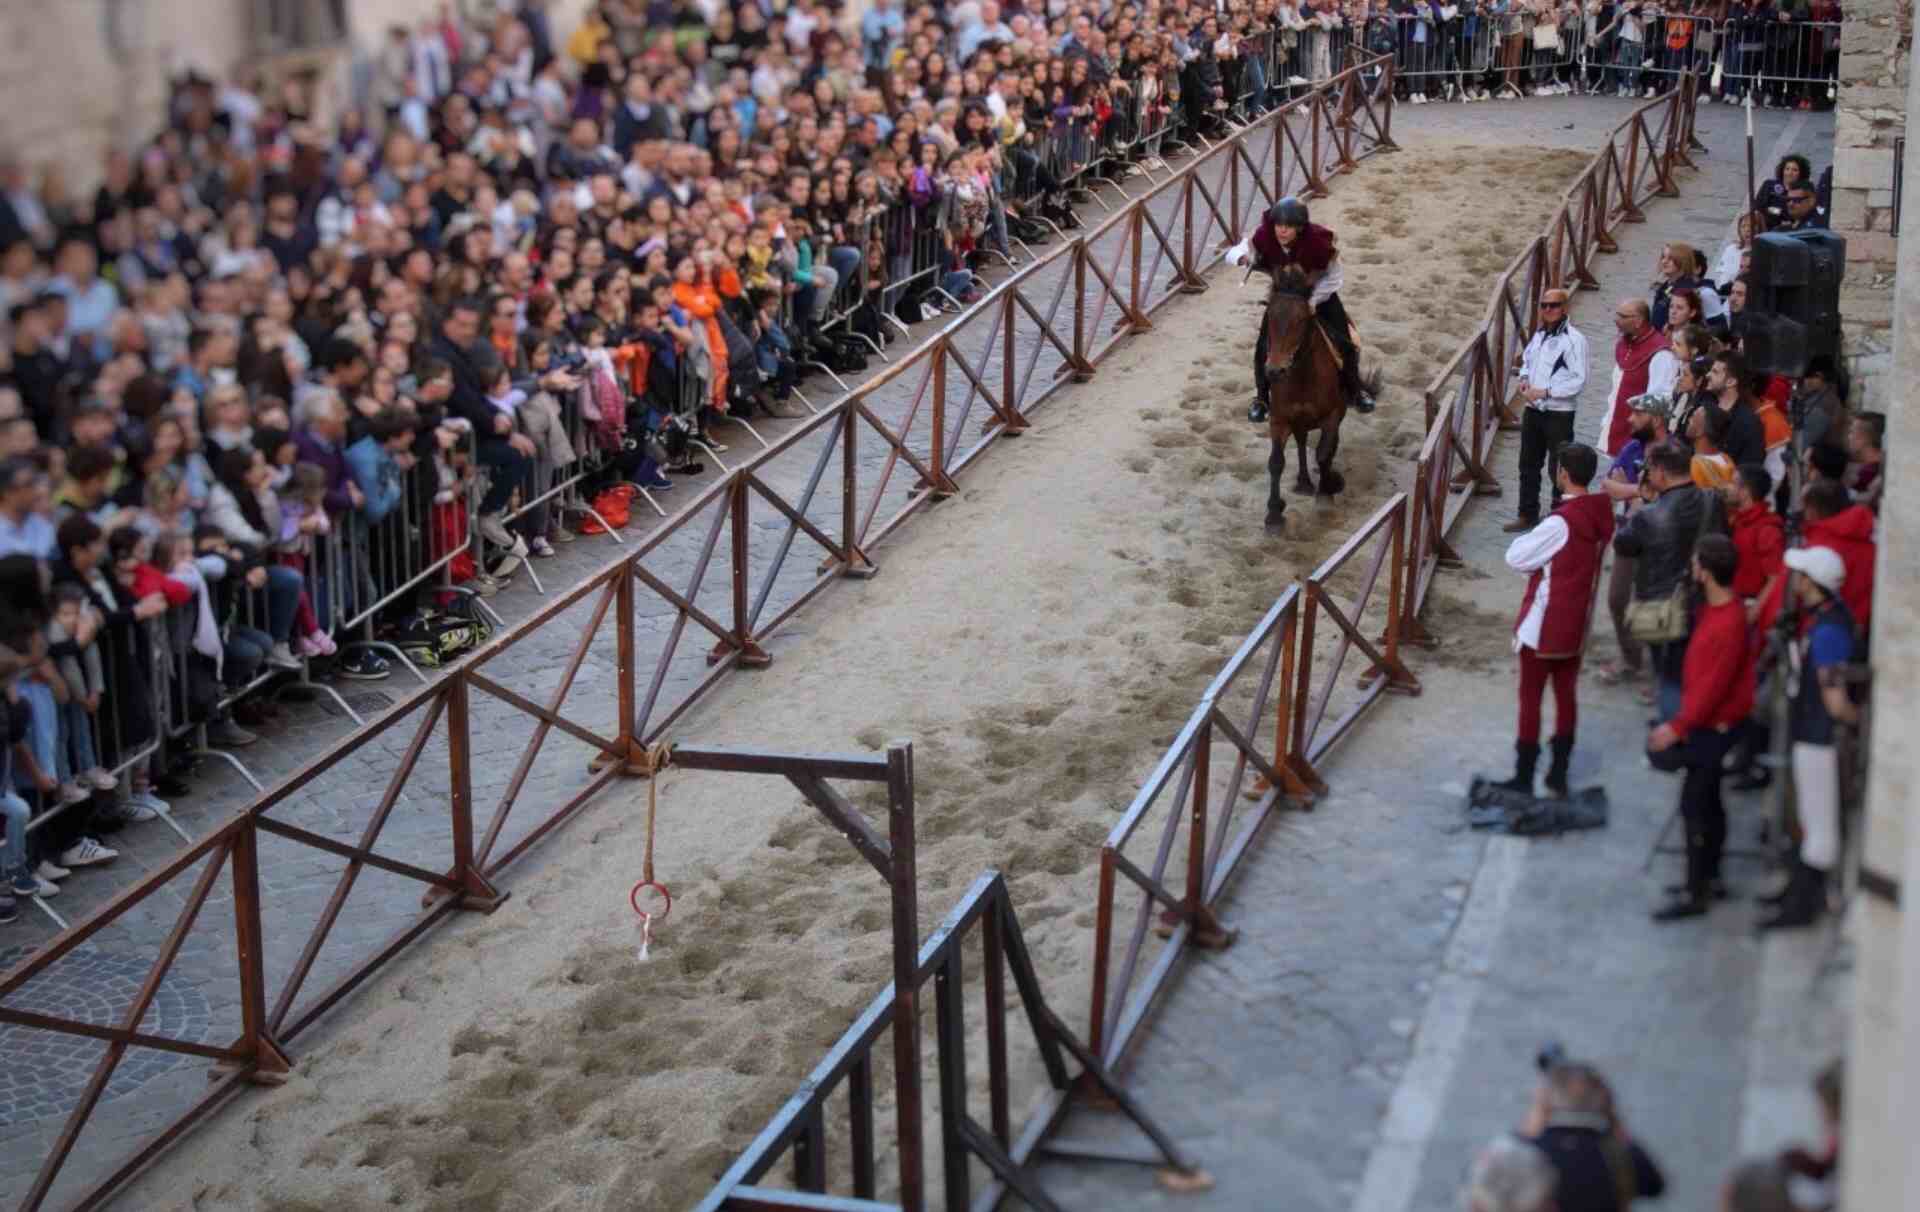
666	907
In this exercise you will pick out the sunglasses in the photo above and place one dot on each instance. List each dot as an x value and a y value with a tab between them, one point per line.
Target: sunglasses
1547	303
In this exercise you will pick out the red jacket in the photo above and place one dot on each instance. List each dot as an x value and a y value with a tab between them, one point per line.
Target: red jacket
1760	539
1313	250
1850	534
1716	682
1632	358
148	580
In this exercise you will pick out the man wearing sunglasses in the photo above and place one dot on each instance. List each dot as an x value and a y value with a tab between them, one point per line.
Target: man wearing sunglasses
1553	370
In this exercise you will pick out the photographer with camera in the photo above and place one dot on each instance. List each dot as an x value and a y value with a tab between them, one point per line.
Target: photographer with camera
1574	1122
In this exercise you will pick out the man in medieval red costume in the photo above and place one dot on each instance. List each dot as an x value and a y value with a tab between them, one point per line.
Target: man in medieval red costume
1642	365
1286	238
1562	556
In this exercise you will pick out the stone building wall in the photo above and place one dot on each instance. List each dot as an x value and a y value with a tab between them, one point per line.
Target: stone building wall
1874	56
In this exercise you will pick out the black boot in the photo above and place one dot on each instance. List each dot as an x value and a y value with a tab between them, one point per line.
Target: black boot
1696	896
1257	411
1357	393
1526	756
1557	769
1805	901
1789	866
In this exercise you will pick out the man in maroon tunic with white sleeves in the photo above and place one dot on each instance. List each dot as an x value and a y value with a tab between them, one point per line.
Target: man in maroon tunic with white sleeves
1563	556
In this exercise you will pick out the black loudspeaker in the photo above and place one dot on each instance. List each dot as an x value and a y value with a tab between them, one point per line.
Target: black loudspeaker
1793	300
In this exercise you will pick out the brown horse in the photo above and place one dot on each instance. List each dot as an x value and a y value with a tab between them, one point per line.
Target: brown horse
1305	391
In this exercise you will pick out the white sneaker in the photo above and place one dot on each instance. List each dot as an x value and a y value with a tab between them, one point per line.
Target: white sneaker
41	888
87	853
281	657
493	528
1648	95
99	779
74	793
542	549
48	871
139	807
482	584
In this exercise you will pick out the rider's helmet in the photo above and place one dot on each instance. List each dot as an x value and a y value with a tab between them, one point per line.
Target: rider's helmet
1288	212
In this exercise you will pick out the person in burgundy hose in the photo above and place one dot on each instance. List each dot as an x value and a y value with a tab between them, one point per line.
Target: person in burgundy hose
1562	557
1287	237
1716	696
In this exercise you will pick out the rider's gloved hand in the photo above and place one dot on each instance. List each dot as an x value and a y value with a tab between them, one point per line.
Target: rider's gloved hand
1241	253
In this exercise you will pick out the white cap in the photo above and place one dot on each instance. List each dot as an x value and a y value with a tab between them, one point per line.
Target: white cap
1821	565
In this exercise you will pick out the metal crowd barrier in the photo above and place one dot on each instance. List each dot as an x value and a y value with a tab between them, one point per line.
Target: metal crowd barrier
1505	54
1787	62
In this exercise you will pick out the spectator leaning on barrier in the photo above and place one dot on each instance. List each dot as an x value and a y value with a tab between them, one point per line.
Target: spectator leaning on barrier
1717	697
1562	557
1553	370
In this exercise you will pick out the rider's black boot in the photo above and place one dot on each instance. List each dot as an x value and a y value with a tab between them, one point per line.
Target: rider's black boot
1257	411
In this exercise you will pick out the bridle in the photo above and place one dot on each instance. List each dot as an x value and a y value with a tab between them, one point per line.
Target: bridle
1291	292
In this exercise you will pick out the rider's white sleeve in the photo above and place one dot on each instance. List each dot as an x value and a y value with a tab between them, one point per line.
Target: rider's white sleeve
1241	253
1329	284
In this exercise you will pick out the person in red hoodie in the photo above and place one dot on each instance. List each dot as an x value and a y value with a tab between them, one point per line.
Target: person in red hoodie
1830	519
147	578
1760	540
1562	557
1759	535
1716	697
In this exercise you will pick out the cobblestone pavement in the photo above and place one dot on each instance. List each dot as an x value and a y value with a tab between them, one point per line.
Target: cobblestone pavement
199	999
1375	1022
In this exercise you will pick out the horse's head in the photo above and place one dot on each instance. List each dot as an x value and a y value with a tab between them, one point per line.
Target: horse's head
1289	317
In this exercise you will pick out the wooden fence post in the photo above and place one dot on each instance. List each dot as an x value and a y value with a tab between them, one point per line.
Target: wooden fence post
478	892
270	1062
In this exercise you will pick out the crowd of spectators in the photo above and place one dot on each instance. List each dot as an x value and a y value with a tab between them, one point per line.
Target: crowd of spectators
1780	56
1739	510
281	370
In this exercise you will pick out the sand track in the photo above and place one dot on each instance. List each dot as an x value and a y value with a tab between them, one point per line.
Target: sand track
1039	638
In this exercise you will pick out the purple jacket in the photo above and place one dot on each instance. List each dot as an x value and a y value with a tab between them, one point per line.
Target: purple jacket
331	459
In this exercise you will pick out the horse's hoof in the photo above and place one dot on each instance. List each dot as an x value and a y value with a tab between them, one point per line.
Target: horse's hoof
1303	486
1332	483
1276	522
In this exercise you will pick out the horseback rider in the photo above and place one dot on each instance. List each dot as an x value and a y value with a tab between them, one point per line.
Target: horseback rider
1285	238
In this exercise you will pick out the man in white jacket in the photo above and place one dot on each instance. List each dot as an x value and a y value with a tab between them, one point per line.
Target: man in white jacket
1553	371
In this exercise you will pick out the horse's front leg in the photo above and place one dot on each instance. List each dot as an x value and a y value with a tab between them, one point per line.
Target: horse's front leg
1276	467
1331	481
1304	482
